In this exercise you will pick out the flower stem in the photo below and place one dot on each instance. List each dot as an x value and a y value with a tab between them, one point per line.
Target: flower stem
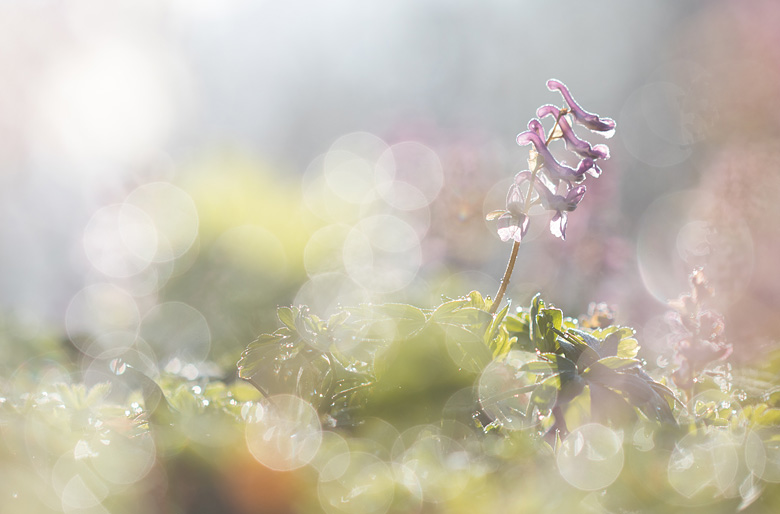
505	279
516	246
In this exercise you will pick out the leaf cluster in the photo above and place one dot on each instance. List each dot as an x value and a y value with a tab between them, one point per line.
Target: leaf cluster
398	352
593	373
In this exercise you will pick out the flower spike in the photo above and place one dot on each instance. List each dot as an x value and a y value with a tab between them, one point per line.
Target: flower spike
547	176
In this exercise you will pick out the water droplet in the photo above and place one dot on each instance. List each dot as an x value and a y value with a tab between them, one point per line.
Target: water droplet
117	366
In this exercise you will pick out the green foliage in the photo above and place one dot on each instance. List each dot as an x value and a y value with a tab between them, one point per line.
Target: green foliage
545	377
451	408
599	378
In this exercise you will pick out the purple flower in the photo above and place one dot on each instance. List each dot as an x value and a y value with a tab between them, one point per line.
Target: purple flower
696	334
513	223
561	205
557	171
583	117
573	143
536	126
511	227
541	185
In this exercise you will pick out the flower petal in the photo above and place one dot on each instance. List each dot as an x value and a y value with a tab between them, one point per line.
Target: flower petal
574	197
515	203
589	120
558	224
573	143
559	203
556	170
512	227
536	126
602	150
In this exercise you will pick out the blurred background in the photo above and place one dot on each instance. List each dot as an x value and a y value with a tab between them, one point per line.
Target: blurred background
172	171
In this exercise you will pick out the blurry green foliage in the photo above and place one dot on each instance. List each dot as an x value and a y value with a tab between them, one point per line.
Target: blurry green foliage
448	409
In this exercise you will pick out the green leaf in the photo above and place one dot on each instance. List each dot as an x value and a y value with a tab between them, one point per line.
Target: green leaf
665	392
551	317
768	417
277	364
476	300
619	363
548	321
465	316
536	305
310	326
337	319
306	328
640	392
447	308
571	385
611	341
544	396
492	330
538	368
617	340
501	344
587	338
467	349
608	406
518	323
577	411
402	311
287	316
561	363
253	356
628	348
408	319
577	350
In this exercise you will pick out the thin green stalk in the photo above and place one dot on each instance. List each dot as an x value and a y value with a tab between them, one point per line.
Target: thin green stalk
516	246
505	279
